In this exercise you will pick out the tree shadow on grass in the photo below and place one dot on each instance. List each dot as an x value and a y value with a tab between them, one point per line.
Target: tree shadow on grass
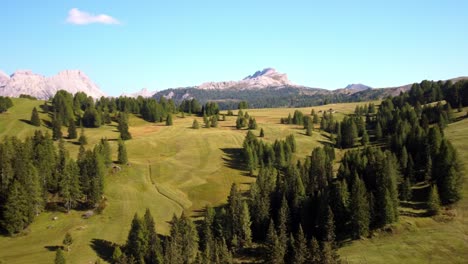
233	158
103	248
53	248
25	121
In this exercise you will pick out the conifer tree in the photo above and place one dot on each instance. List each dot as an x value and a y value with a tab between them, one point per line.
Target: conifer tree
56	128
433	201
275	253
35	120
15	211
82	139
195	124
117	255
70	185
315	254
262	133
123	126
365	138
300	247
246	232
359	208
137	243
67	240
72	130
122	152
59	257
169	120
378	131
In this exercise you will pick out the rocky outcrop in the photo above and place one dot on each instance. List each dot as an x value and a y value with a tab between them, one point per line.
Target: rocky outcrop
268	77
41	87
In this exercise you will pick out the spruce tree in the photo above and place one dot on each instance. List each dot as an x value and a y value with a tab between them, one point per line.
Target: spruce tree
300	247
169	120
59	257
315	254
67	240
117	255
35	120
359	208
83	140
433	201
123	126
72	130
195	124
275	253
137	242
122	152
56	128
262	133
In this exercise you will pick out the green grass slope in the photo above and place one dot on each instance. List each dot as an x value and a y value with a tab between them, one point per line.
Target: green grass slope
172	168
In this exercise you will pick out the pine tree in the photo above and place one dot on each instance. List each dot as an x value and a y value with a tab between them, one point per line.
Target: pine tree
122	152
262	133
300	247
56	128
82	139
275	253
359	208
154	252
59	257
16	209
195	124
35	120
378	132
405	190
246	233
123	127
70	185
365	138
72	130
117	255
137	243
67	240
169	120
315	254
433	201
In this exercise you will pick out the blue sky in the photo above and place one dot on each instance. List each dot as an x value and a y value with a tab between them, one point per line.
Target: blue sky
162	44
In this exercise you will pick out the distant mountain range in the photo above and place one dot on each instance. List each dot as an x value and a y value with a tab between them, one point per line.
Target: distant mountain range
265	88
41	87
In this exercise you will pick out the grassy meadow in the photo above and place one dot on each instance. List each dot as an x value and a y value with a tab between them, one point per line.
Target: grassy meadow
177	168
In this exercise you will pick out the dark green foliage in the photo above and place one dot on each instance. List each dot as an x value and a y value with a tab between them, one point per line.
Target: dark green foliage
62	104
243	105
83	140
405	190
5	103
137	240
16	211
72	130
59	257
122	153
262	133
169	120
69	185
252	123
433	201
275	252
359	209
35	120
315	254
56	128
67	240
448	175
91	118
123	126
195	124
300	254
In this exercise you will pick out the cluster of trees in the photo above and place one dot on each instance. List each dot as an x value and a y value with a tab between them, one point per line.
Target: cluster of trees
245	120
5	103
27	96
34	170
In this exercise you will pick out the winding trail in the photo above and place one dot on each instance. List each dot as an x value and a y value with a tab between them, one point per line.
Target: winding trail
159	191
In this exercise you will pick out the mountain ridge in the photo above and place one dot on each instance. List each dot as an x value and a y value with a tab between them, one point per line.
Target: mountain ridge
42	87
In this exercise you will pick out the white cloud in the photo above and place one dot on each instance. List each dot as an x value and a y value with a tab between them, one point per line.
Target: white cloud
78	17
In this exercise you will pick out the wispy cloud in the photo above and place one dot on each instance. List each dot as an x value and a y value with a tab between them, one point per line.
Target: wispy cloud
78	17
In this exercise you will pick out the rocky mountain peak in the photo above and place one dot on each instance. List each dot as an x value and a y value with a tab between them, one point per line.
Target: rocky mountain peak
267	77
357	87
41	87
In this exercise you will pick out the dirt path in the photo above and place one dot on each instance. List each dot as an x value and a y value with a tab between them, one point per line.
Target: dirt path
159	191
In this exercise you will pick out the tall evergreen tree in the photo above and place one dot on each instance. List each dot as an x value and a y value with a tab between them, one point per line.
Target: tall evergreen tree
275	252
433	201
359	208
59	257
56	128
123	126
300	248
72	130
122	152
137	242
169	120
35	120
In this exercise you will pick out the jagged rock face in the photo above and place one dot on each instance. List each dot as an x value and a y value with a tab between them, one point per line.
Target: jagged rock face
27	82
357	87
268	77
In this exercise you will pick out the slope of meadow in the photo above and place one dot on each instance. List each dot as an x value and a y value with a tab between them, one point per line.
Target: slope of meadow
172	168
176	168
